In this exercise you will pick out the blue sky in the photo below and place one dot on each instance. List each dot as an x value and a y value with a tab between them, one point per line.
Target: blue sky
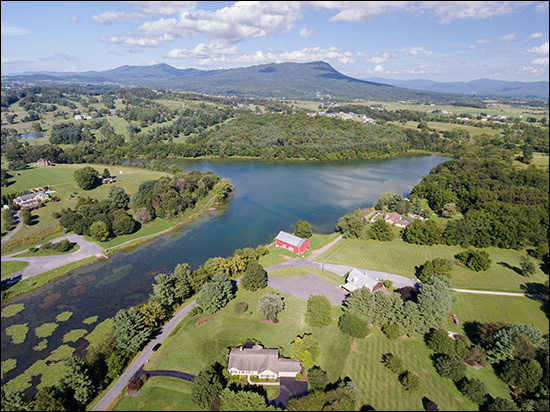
437	40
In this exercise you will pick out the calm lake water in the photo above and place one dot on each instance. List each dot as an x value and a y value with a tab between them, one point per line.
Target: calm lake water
268	197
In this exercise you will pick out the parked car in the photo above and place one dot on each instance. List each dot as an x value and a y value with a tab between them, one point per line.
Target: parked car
156	347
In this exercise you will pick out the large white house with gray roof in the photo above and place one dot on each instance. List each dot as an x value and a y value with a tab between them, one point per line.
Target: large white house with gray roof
261	362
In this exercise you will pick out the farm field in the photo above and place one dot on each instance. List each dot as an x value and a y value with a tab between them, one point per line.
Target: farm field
190	348
401	258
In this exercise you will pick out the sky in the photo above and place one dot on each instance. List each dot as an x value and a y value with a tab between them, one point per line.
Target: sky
436	40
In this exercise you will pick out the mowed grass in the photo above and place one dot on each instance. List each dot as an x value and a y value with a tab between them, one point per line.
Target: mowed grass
491	308
190	348
401	258
159	393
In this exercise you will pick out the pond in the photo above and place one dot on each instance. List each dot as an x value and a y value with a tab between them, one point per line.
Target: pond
268	197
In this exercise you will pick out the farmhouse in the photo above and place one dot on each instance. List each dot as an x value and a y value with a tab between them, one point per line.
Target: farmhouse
32	199
261	362
291	242
357	280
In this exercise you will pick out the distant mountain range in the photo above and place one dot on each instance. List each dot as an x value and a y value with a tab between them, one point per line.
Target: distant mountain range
276	80
480	87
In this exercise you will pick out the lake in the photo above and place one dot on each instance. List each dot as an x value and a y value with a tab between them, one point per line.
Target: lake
268	197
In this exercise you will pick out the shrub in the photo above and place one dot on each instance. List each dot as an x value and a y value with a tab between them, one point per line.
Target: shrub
135	385
195	311
241	307
450	367
473	389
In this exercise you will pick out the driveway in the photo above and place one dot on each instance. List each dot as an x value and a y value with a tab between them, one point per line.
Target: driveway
41	264
307	285
289	388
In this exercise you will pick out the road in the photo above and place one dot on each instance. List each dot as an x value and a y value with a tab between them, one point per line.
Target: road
41	264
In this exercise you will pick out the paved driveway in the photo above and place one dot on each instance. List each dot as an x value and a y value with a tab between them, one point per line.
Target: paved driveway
290	388
307	285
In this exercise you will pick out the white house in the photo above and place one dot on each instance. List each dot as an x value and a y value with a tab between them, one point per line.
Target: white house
261	362
357	279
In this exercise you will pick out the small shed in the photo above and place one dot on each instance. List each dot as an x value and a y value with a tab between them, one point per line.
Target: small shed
293	243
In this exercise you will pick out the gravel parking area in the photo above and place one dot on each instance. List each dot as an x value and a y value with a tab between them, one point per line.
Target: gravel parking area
307	285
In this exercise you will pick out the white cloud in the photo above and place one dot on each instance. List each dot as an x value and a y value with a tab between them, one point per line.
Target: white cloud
481	41
535	35
541	60
542	7
445	11
473	47
203	51
13	31
378	58
113	17
305	32
378	69
164	8
75	18
542	49
417	51
508	37
533	70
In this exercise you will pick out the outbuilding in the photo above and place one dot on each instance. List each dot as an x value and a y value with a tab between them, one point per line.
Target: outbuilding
293	243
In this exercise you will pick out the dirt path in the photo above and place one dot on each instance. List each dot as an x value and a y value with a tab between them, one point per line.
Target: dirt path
317	252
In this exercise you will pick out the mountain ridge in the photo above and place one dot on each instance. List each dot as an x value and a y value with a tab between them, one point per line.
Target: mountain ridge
311	80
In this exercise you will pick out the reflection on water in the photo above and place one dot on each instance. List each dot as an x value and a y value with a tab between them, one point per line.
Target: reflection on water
268	197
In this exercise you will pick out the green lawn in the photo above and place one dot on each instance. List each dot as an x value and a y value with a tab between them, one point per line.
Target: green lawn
488	308
9	268
190	348
401	258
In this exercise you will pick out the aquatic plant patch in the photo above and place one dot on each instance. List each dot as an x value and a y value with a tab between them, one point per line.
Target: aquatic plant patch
74	335
45	330
62	317
18	332
43	344
12	310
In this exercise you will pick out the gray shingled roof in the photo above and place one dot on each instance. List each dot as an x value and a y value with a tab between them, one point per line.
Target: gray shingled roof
290	239
259	359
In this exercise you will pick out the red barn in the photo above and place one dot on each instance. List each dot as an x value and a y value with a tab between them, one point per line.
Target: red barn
291	242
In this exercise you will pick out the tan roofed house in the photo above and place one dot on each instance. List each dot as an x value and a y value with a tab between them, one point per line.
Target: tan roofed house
261	362
32	199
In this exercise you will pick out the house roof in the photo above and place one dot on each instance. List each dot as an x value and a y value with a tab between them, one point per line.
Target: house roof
258	359
290	239
357	279
31	196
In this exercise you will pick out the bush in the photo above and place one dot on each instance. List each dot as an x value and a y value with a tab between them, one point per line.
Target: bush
353	326
195	311
135	385
241	307
450	367
473	389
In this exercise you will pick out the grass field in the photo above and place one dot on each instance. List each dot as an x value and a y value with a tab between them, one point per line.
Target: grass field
190	348
400	258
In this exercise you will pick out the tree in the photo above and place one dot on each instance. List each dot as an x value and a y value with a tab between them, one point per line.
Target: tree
353	326
501	404
439	341
434	268
163	290
86	178
524	374
130	329
393	363
242	400
208	384
317	378
503	342
477	260
270	305
255	277
318	312
528	268
48	398
76	377
26	217
106	173
450	367
380	230
123	224
214	295
182	278
391	331
303	229
222	189
351	226
118	196
473	389
410	381
142	216
305	349
99	231
14	401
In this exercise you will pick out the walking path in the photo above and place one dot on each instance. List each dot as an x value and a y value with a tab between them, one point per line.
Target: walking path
317	252
17	227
